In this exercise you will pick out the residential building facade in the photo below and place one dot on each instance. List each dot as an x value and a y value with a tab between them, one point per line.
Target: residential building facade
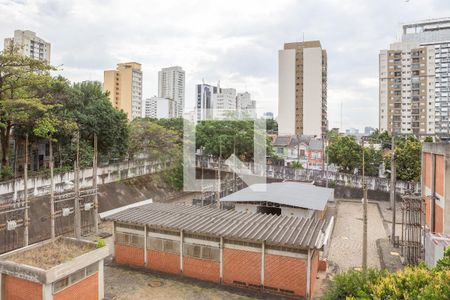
414	83
305	149
160	108
302	89
30	45
171	85
124	86
223	102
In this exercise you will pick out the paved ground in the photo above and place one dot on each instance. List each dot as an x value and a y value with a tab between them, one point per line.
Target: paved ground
346	244
124	284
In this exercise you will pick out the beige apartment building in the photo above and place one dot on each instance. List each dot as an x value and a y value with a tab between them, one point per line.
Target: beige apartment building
125	88
302	89
414	81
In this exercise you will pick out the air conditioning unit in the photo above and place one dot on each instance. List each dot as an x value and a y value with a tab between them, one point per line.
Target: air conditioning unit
88	206
11	225
66	212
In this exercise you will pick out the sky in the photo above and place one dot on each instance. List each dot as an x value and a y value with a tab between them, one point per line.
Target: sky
236	42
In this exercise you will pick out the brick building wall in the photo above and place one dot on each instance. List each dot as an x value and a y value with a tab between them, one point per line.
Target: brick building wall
129	255
20	289
428	171
201	268
163	261
286	273
314	270
242	266
85	289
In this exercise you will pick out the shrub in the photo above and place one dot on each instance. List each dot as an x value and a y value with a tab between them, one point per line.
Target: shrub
100	243
353	284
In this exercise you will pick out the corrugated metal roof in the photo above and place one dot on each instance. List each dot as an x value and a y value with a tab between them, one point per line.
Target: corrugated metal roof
304	195
285	231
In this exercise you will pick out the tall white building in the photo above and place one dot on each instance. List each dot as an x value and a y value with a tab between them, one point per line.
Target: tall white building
160	108
30	44
245	104
414	81
171	85
223	102
302	89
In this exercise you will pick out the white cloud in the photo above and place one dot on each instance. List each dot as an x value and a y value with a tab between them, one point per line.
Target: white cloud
232	41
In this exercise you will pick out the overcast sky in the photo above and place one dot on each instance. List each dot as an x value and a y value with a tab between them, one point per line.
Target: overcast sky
236	42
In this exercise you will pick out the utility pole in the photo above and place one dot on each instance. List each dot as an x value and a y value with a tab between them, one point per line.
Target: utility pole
218	176
392	191
77	221
364	245
94	183
52	191
25	193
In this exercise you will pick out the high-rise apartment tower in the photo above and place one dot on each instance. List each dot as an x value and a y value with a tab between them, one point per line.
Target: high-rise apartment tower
171	85
30	44
302	89
125	88
414	81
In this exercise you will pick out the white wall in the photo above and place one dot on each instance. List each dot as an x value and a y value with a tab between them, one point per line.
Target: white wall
286	92
312	91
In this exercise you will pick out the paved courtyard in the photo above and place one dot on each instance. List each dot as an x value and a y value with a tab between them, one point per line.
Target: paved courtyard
346	244
127	284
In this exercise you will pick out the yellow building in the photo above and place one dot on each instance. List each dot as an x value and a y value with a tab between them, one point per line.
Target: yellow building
125	88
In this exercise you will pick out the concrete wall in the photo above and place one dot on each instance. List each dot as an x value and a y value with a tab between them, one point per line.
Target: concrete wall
335	178
40	185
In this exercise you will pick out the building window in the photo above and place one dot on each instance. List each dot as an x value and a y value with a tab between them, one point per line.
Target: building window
73	278
130	239
163	245
203	252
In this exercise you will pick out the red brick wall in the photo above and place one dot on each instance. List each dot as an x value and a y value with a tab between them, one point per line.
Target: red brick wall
314	270
129	255
286	273
84	289
163	261
440	167
21	289
428	211
239	265
439	220
201	268
426	170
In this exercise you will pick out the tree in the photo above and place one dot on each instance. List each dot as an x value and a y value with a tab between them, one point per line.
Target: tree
345	153
21	103
158	143
271	126
428	139
408	153
87	106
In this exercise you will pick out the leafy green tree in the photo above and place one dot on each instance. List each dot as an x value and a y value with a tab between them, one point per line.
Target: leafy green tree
345	153
271	126
428	139
373	159
21	103
224	137
408	159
